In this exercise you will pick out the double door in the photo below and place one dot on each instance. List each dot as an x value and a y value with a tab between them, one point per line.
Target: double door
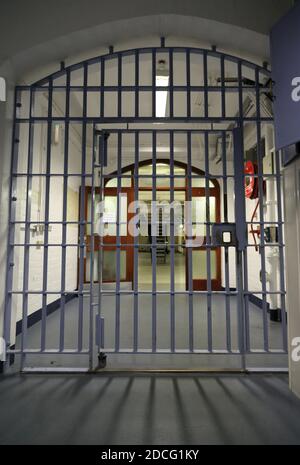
111	236
116	242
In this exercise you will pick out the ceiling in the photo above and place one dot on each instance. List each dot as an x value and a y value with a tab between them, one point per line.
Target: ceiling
30	23
36	36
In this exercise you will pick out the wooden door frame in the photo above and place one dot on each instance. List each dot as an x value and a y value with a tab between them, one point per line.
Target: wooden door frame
111	239
214	192
201	284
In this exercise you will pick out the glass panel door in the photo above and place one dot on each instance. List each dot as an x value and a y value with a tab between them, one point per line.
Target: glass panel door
106	236
206	261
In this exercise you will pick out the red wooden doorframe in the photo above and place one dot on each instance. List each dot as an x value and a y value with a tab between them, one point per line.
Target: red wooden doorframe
110	241
201	284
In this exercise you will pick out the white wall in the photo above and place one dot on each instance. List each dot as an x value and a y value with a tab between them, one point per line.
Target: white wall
38	214
292	231
6	124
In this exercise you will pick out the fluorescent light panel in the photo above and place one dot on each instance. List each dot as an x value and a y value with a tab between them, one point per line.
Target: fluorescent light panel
161	95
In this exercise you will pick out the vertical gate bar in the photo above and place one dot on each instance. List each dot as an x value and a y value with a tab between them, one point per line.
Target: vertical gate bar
27	232
208	244
136	250
64	226
241	233
92	252
226	248
102	78
190	248
243	228
171	82
101	244
46	218
11	228
261	210
118	248
101	202
247	302
119	85
154	246
239	176
205	76
172	239
154	83
82	244
223	86
188	82
246	329
240	307
137	83
240	212
281	252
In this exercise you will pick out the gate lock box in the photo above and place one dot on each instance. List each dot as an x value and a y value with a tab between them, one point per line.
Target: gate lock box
224	235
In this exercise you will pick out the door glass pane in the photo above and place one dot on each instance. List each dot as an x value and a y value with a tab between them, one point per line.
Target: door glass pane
109	215
200	262
163	170
88	267
109	266
146	171
200	182
97	199
199	214
125	182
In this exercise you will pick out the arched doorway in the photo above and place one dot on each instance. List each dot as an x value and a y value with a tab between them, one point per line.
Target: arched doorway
163	251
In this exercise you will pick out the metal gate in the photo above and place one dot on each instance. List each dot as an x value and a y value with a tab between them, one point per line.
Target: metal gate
91	142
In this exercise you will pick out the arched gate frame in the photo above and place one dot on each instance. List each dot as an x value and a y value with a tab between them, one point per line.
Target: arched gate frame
211	96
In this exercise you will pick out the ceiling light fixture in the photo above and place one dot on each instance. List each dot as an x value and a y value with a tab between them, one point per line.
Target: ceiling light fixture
162	80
